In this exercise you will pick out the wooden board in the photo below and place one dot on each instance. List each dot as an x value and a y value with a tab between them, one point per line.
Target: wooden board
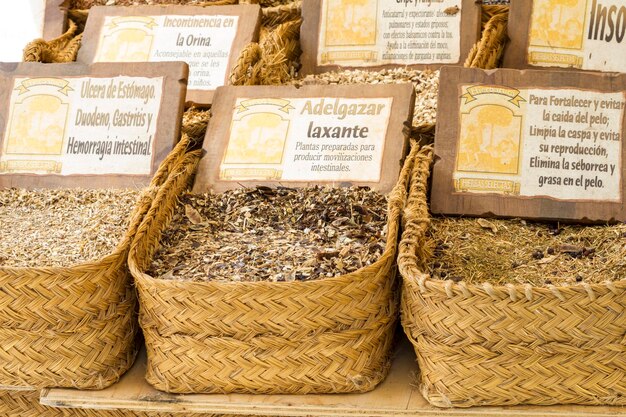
578	34
99	126
335	135
26	20
376	34
530	144
209	39
396	396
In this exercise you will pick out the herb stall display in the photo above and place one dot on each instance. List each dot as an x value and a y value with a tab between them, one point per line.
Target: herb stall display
68	217
528	310
263	270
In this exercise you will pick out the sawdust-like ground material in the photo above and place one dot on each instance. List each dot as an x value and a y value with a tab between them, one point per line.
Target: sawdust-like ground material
520	252
61	228
267	234
426	84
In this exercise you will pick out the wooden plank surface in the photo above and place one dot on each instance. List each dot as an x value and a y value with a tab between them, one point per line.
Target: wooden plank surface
394	397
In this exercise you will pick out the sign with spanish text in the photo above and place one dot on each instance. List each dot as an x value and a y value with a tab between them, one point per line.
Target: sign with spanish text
532	144
68	127
381	33
579	34
208	39
309	135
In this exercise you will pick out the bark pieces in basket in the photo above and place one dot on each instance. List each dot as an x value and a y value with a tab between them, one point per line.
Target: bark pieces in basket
209	39
62	227
504	252
377	34
426	84
268	234
88	126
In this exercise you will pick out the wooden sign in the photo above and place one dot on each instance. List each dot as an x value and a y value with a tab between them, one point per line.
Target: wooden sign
209	39
335	135
534	144
580	34
386	33
100	126
24	21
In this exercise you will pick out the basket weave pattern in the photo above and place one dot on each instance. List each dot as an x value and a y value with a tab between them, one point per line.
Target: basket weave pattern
331	335
75	326
512	344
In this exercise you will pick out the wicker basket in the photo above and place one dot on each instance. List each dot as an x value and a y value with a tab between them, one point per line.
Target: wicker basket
74	326
331	335
512	344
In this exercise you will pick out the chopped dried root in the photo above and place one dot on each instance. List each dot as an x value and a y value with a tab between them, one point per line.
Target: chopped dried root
61	228
267	234
521	252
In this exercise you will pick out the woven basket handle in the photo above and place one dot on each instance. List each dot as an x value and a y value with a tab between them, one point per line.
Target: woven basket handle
146	240
486	54
146	197
416	218
58	50
397	199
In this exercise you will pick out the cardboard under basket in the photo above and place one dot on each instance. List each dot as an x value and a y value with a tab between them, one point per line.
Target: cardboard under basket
26	404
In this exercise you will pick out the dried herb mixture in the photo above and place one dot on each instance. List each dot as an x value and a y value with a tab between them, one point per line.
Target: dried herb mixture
521	252
61	227
267	234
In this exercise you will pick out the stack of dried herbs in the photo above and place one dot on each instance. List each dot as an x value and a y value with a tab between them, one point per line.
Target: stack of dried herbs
521	252
426	84
61	227
266	234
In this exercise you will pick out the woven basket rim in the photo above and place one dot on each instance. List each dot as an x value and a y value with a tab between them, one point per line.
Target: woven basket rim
425	281
360	273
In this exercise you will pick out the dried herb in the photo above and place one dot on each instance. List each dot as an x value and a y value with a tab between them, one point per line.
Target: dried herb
426	84
61	227
521	252
273	234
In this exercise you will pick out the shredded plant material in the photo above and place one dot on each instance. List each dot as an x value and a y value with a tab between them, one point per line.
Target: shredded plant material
61	228
426	85
520	252
267	234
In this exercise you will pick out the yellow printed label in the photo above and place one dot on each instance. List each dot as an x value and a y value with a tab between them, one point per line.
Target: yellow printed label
583	34
307	139
203	42
364	33
559	143
81	126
